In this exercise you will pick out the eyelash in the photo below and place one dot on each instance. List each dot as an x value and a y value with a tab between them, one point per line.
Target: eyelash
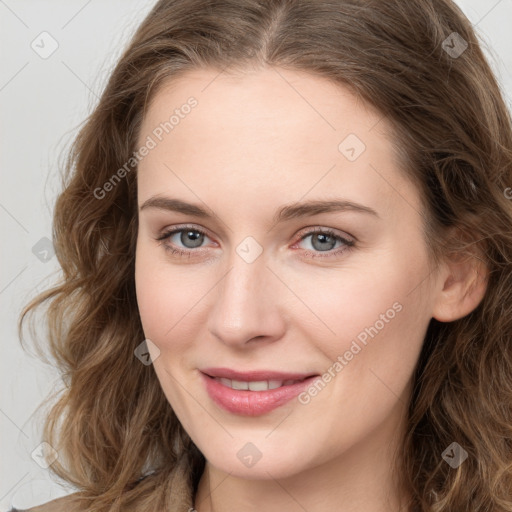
348	244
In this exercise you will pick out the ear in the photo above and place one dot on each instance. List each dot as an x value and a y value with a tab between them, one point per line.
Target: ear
462	284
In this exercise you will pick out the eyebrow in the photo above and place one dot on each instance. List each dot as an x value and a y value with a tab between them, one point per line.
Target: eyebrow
286	212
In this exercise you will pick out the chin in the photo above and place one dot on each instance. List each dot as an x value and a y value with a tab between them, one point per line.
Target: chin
260	460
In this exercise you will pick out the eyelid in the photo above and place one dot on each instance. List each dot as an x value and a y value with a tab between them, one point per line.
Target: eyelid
303	232
167	232
348	240
348	243
319	229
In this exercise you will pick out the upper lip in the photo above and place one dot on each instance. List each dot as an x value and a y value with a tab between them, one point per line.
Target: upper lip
254	375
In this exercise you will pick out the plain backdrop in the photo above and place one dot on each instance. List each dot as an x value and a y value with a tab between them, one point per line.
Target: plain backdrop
56	56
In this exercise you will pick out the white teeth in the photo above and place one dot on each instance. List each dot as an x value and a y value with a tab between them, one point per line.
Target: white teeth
260	385
238	384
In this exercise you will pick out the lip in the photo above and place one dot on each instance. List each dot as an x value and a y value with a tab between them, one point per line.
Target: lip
253	403
253	375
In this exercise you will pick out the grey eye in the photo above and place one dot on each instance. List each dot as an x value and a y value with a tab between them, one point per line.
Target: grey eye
190	238
322	241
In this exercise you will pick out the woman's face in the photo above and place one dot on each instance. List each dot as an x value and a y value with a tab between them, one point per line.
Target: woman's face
304	275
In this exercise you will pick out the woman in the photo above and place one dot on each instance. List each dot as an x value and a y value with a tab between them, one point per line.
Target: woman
215	356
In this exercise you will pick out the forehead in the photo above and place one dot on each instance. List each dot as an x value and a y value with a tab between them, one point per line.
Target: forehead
283	128
273	98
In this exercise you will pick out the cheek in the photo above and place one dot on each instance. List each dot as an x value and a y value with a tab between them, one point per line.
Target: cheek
156	305
380	320
368	294
380	336
167	298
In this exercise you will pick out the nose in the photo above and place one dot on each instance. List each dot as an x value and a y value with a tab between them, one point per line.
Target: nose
247	306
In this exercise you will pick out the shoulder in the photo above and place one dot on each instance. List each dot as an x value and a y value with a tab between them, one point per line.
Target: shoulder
181	497
62	504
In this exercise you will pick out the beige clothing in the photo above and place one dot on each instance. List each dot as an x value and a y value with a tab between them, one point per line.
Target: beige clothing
182	499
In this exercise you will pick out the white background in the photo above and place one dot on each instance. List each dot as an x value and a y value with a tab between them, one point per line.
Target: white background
42	103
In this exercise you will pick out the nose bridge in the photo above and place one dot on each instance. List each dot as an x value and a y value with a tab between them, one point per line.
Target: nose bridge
245	302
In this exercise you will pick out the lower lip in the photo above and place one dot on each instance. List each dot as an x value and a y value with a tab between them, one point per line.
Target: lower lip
252	403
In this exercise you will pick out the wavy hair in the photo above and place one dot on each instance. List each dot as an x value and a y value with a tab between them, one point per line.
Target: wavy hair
452	129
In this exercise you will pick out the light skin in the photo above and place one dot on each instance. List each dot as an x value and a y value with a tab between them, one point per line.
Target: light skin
254	143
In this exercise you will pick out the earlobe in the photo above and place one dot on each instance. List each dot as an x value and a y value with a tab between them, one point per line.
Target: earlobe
462	286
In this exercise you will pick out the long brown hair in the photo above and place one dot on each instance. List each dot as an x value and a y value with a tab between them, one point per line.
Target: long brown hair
453	131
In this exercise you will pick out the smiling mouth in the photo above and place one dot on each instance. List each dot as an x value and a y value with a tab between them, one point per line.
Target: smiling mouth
256	385
253	393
